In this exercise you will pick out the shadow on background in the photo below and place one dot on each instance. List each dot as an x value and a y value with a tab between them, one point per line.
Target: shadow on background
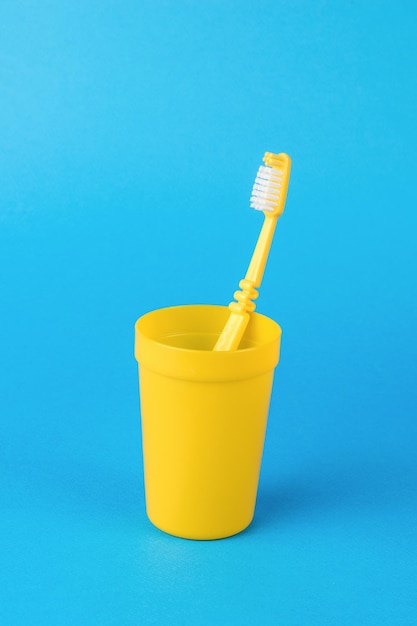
347	486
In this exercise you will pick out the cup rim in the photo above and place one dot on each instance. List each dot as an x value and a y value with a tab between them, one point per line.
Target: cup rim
206	364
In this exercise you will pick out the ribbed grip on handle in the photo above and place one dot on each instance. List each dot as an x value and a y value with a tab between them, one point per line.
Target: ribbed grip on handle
232	333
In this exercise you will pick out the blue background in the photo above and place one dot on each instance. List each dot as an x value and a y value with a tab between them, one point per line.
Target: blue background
131	133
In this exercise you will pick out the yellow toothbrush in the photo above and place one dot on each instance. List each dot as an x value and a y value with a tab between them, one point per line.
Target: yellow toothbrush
268	195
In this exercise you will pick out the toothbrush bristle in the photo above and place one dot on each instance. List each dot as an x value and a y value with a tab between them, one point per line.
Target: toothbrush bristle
267	189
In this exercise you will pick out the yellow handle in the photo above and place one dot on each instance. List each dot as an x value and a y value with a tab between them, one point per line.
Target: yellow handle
259	258
233	332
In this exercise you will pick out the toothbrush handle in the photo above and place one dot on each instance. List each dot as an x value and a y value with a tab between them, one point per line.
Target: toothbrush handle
260	255
237	322
233	331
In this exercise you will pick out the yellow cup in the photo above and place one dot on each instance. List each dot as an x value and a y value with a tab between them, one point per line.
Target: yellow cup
204	416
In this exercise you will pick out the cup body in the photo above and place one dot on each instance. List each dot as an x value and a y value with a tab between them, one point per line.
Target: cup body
204	416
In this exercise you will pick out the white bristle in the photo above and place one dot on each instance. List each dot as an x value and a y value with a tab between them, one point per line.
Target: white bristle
267	189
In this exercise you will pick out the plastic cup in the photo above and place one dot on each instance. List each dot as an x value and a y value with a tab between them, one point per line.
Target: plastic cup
204	416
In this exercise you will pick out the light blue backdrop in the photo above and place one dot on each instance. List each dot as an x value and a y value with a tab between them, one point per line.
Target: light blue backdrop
130	135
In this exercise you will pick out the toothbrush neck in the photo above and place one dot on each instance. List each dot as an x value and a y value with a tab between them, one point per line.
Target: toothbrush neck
258	262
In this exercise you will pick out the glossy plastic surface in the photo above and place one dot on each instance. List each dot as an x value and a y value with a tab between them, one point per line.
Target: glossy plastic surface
204	415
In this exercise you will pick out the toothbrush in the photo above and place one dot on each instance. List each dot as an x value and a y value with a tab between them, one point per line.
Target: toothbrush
268	195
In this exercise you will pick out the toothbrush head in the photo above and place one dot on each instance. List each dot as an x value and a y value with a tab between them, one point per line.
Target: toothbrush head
271	184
